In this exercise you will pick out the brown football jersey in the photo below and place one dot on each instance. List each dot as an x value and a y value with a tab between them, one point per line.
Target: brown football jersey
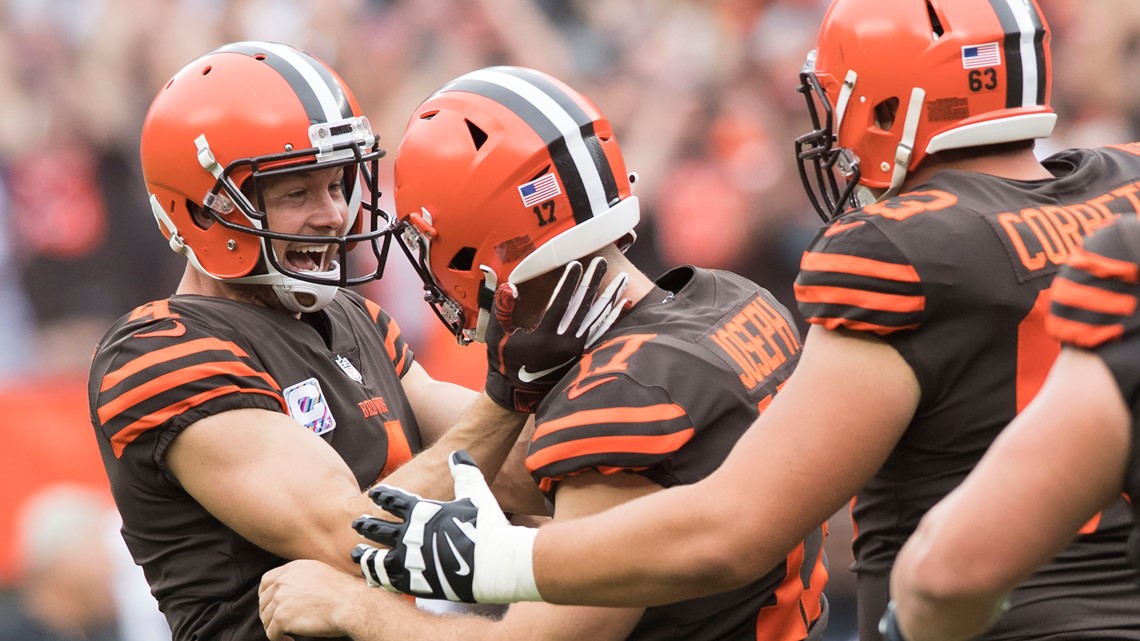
1095	300
955	275
170	363
666	394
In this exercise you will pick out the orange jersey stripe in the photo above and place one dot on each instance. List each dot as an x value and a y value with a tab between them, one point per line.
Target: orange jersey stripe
128	434
1094	299
846	323
645	414
390	342
858	266
783	621
1103	267
661	444
373	310
168	354
156	309
403	359
169	381
1091	526
399	450
859	298
1082	334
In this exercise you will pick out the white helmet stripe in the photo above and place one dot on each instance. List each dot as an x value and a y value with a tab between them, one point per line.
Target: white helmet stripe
1023	52
1028	51
321	95
304	66
562	120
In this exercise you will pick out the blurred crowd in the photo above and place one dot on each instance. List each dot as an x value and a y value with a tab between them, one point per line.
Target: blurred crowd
701	94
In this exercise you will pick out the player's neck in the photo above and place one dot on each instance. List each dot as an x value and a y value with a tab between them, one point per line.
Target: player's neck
1020	164
196	283
639	284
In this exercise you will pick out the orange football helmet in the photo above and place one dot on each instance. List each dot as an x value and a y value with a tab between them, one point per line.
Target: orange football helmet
505	174
893	81
235	116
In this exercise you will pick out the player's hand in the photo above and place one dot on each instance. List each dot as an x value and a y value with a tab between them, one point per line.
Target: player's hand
524	364
307	598
889	625
462	550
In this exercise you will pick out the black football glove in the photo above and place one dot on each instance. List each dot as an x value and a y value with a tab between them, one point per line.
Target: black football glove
462	550
523	365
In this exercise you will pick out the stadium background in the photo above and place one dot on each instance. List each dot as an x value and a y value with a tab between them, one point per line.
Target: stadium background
701	94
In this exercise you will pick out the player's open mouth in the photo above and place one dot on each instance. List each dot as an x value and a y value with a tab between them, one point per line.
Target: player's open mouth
308	258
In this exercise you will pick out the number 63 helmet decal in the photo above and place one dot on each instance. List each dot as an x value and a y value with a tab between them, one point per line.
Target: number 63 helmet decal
893	81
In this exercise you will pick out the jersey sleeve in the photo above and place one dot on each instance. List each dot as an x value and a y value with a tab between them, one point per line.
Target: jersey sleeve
1094	303
152	380
606	422
853	277
397	349
1095	294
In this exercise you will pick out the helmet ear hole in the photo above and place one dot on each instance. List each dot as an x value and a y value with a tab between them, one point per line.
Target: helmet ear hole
885	113
201	219
463	259
478	136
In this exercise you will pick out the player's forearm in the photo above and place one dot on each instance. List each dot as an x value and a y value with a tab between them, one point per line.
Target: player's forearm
655	550
942	591
381	616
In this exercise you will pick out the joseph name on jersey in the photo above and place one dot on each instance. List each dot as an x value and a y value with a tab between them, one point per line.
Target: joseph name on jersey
666	394
170	363
955	276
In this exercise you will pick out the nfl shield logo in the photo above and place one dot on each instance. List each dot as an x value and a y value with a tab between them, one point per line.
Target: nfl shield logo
349	369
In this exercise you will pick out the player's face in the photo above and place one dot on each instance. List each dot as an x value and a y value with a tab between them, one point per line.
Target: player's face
311	203
533	298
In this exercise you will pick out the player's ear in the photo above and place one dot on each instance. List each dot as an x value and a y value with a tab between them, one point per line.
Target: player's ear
533	296
200	216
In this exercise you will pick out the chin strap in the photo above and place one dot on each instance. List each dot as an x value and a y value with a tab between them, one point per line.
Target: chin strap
485	301
322	295
292	290
905	150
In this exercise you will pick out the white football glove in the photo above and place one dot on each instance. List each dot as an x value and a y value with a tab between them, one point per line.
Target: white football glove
462	550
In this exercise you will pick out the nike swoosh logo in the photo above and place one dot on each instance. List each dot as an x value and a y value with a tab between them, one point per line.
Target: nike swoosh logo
444	584
464	568
178	330
530	377
842	227
579	390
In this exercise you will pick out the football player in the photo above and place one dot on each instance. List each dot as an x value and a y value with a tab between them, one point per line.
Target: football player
927	292
240	419
1065	458
537	179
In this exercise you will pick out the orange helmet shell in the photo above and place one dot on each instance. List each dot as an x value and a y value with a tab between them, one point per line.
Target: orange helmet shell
961	73
508	170
238	110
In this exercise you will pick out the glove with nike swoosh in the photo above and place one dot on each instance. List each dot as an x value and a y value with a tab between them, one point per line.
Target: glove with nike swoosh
524	365
462	550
